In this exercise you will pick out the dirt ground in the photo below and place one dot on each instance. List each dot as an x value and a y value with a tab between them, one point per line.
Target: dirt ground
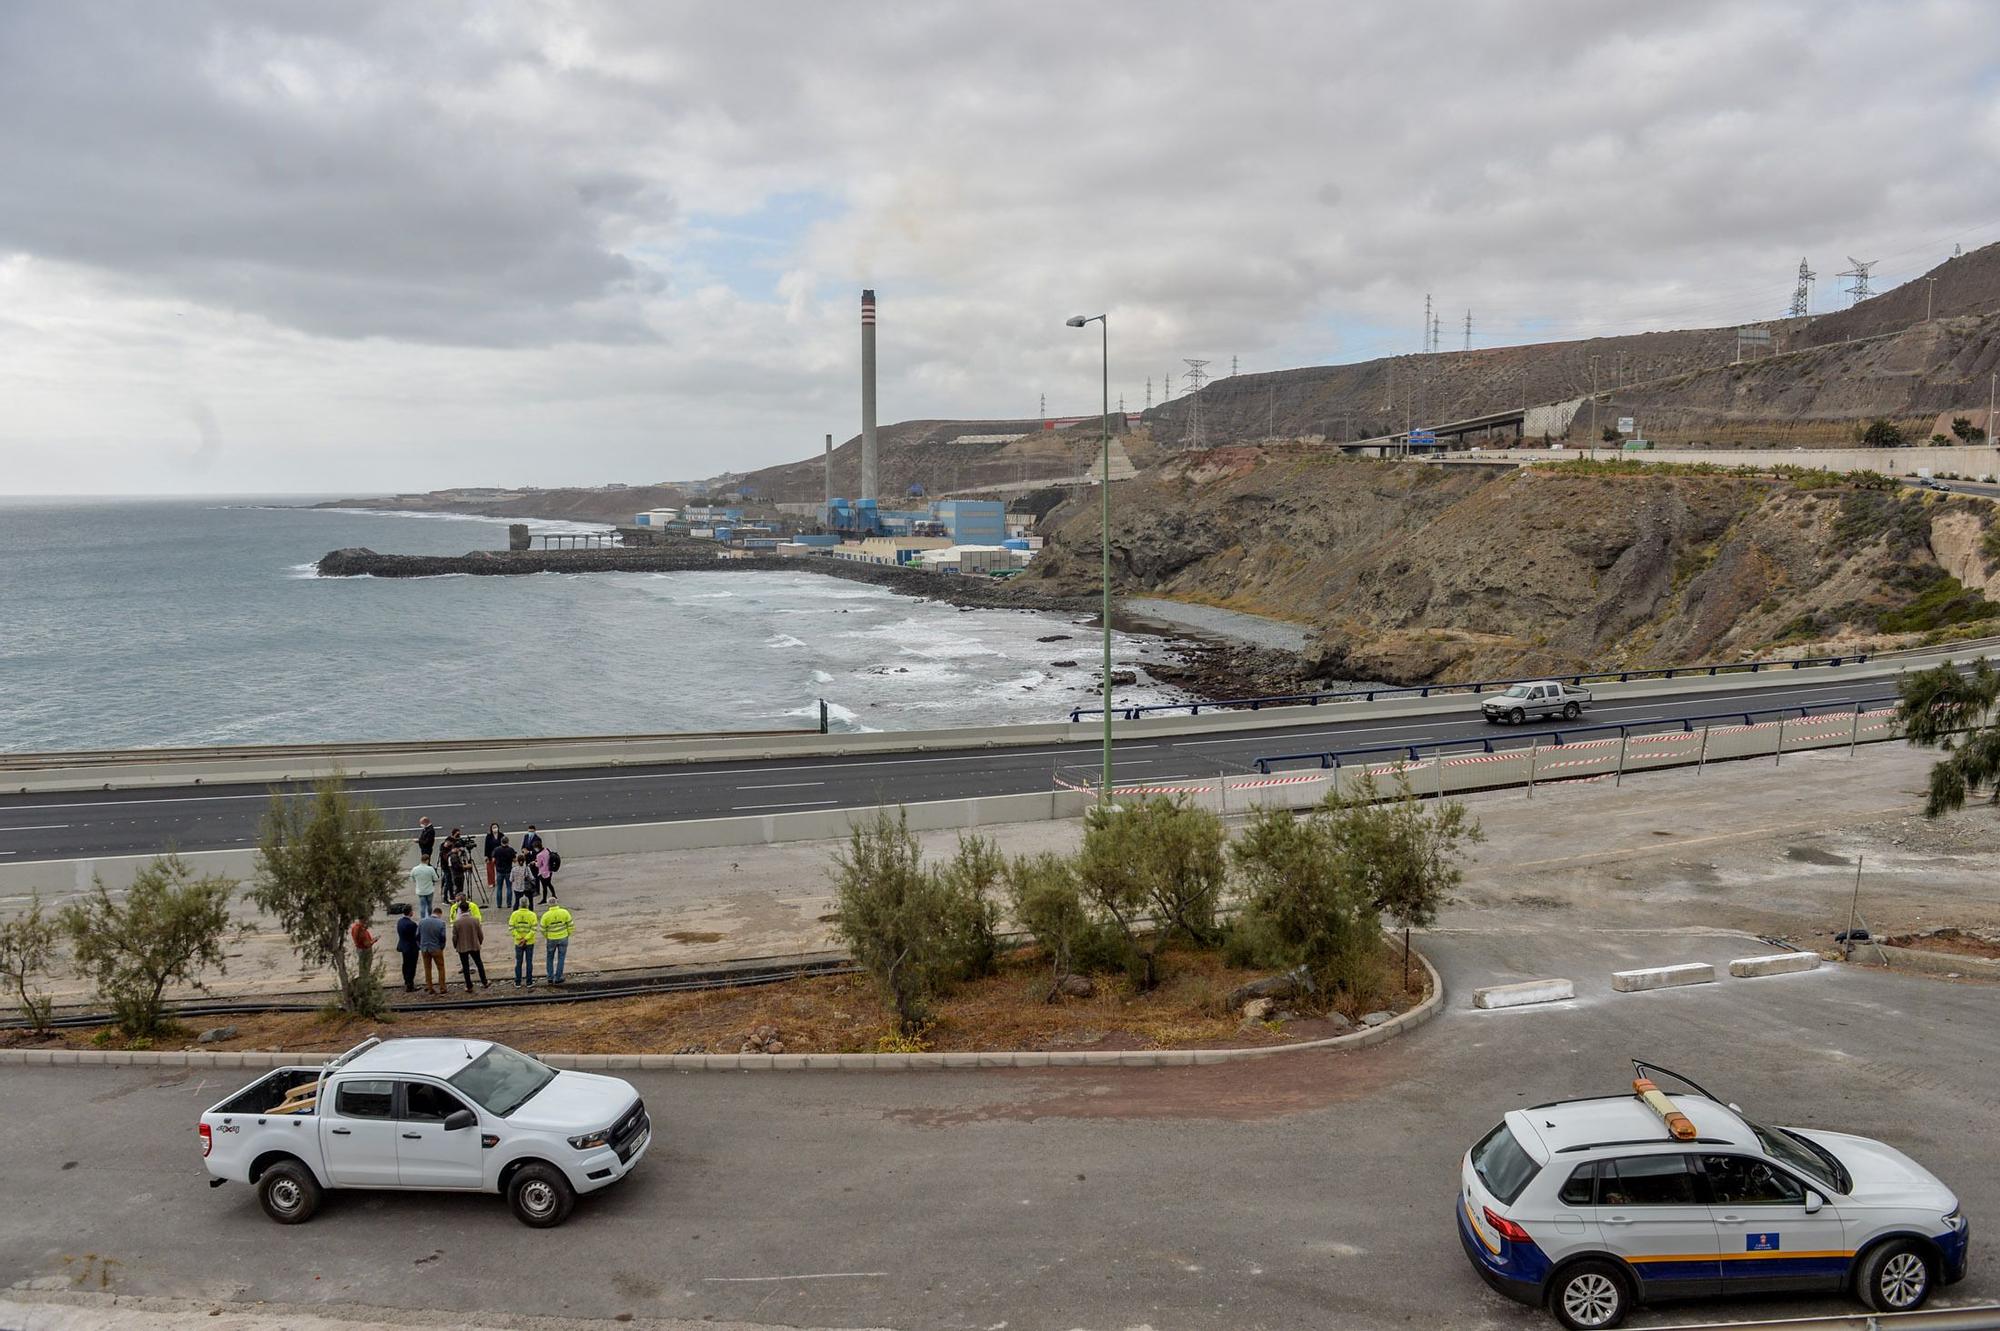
828	1014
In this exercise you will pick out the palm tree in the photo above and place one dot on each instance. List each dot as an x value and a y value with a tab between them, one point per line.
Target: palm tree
1940	705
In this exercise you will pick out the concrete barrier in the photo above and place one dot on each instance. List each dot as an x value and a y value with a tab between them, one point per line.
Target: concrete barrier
1662	977
1778	963
1522	994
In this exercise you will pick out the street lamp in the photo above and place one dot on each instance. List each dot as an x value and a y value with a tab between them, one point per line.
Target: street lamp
1104	537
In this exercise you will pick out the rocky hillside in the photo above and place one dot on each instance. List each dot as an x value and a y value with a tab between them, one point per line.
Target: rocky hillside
1415	573
923	453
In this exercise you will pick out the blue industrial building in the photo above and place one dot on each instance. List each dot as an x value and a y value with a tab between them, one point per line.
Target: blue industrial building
965	521
972	521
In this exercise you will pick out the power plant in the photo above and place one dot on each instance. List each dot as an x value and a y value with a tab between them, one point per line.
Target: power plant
868	484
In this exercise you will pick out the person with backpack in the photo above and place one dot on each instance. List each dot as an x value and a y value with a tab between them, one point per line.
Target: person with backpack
547	861
557	926
503	873
521	928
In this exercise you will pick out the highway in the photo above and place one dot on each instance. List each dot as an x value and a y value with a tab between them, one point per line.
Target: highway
68	825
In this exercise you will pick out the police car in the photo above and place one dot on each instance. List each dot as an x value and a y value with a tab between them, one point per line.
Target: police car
1588	1207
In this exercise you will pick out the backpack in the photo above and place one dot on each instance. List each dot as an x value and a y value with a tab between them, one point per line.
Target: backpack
555	859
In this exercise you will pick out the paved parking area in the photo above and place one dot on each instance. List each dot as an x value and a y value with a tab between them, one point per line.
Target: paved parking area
1301	1191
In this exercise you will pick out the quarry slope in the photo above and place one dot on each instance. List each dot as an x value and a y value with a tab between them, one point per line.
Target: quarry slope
1410	572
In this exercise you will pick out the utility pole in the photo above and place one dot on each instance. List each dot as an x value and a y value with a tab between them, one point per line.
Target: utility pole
1195	379
1593	404
1930	294
1991	380
1427	323
1859	272
1802	293
1437	332
1232	367
1149	392
1045	408
1468	330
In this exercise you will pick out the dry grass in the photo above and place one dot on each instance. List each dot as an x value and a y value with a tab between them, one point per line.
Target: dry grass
830	1014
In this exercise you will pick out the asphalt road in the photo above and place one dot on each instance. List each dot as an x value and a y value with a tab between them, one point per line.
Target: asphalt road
1309	1190
64	825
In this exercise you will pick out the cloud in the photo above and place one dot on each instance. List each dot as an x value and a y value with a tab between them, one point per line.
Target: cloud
580	241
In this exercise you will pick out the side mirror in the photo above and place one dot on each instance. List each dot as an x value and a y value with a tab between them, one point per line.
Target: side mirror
465	1118
1813	1200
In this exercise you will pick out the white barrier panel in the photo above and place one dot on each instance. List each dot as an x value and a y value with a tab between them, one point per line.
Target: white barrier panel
1662	977
1780	963
1521	995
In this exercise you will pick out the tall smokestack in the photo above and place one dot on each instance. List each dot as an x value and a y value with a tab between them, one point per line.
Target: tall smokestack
829	471
868	395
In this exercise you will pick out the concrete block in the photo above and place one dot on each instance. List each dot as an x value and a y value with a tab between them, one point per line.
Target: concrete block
788	1062
996	1060
1522	994
829	1062
1662	977
961	1060
1778	963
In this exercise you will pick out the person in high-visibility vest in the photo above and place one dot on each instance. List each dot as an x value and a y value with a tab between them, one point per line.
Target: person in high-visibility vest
556	929
521	928
463	902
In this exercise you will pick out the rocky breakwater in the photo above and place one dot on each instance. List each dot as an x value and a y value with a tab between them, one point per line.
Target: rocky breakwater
360	563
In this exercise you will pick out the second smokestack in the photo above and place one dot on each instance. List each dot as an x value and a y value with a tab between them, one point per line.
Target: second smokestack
868	395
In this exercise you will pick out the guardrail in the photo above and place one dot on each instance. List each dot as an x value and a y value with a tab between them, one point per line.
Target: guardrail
1477	686
1533	738
1984	1317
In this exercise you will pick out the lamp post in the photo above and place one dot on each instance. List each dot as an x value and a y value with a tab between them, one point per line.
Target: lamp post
1104	537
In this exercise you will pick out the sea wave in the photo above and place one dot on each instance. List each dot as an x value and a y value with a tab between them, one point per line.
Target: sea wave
536	526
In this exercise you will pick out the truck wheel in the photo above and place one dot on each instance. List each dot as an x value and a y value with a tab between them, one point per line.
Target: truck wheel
288	1193
1896	1278
1571	711
541	1196
1516	717
1590	1296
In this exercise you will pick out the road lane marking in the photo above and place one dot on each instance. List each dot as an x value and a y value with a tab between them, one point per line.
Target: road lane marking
36	827
819	1275
783	785
788	804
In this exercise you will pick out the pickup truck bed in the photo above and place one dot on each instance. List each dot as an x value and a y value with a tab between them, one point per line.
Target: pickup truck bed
264	1095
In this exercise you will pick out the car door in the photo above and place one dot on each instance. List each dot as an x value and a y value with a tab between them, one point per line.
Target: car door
358	1138
1651	1212
1766	1238
429	1156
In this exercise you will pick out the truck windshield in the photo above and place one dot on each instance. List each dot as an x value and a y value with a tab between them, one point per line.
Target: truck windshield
1808	1157
502	1080
1518	691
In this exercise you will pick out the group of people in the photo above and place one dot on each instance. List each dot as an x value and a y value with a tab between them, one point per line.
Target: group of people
423	933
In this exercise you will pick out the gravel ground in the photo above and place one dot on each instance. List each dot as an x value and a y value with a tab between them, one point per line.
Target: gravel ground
1253	629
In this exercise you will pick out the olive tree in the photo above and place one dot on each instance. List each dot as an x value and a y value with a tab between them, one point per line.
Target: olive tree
27	950
1949	709
169	929
1155	869
322	864
1047	901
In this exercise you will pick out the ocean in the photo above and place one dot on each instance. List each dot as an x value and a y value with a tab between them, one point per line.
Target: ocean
136	623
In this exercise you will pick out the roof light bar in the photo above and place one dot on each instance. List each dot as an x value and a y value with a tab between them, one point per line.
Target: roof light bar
1679	1125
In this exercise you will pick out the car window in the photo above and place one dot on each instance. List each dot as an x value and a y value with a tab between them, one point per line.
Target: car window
1502	1165
364	1099
502	1080
1581	1187
1741	1180
426	1103
1646	1180
1518	691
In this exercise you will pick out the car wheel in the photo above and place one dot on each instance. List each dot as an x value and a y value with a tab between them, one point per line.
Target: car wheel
1590	1296
1571	711
541	1196
288	1193
1896	1278
1516	717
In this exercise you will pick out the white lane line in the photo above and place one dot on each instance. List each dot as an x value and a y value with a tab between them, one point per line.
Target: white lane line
783	785
820	1275
36	827
694	769
414	808
788	804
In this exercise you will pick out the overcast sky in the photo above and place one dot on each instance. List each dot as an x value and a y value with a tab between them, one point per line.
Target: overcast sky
346	247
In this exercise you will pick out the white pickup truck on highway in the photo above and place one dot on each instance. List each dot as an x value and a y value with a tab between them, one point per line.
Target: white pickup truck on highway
1539	698
427	1115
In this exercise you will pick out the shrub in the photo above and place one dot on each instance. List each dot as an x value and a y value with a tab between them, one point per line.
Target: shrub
972	877
906	926
1161	859
1939	441
1946	708
168	930
1883	433
1966	431
27	950
1047	902
1306	902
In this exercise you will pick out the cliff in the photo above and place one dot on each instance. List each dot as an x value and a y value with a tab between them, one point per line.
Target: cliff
1412	573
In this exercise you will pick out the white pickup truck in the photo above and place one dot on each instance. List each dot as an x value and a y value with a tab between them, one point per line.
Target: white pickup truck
427	1115
1540	698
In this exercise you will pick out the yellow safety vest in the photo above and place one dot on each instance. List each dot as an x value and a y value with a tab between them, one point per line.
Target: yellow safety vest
451	917
555	924
521	924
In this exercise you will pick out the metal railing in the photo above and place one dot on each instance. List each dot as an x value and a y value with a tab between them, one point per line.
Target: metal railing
1335	758
1474	686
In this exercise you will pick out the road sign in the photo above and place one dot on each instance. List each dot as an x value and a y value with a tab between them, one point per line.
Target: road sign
1624	425
1423	437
